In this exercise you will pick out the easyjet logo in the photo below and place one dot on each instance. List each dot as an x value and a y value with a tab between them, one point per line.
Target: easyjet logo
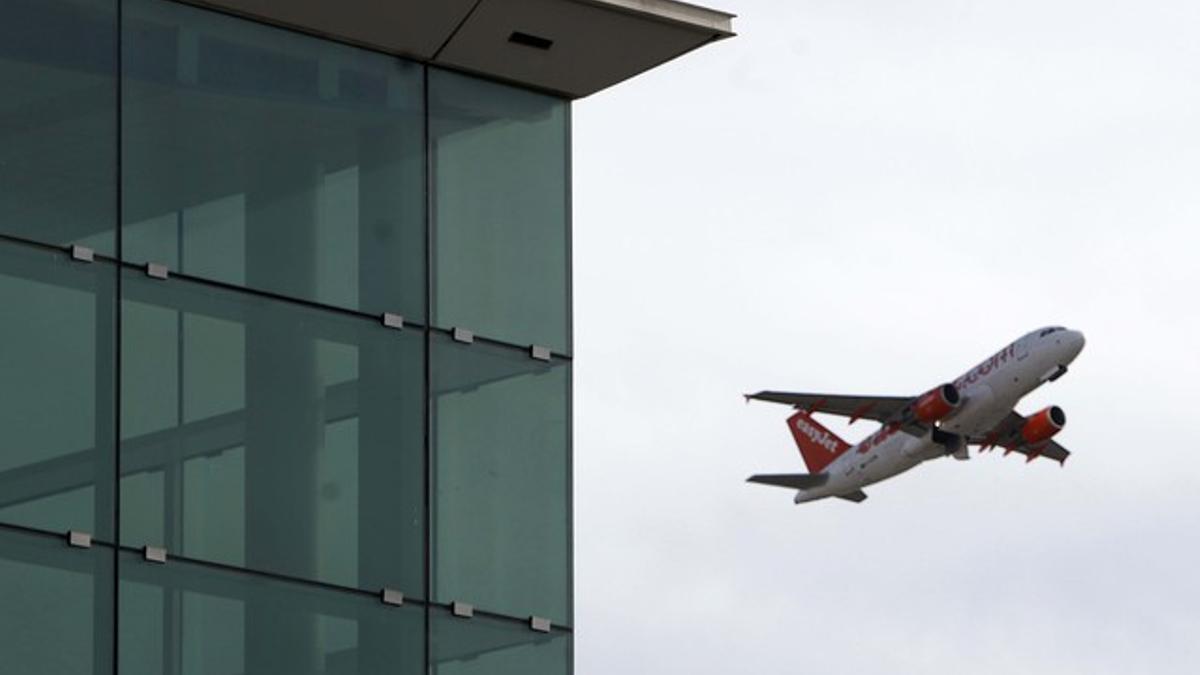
982	370
818	436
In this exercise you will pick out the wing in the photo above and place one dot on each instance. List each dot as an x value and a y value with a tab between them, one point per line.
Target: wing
1007	435
878	408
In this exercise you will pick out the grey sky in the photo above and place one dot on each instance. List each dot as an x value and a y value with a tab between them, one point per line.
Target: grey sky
870	197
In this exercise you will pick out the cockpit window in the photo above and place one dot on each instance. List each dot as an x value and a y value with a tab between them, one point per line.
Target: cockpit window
1053	329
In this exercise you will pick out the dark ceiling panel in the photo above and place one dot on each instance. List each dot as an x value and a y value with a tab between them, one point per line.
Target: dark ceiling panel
411	27
591	46
572	47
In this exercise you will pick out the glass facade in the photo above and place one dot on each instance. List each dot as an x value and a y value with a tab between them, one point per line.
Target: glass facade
190	619
288	411
499	163
273	436
501	480
485	646
58	115
57	356
57	613
266	159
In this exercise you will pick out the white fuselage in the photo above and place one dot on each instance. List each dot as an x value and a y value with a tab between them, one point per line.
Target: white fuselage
989	391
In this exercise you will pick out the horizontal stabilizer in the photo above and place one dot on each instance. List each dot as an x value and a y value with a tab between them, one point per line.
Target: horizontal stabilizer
858	496
796	481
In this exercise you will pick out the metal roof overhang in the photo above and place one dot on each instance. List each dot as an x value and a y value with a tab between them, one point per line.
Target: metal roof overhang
569	47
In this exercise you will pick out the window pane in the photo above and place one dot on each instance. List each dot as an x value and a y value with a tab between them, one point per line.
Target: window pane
272	160
57	606
56	391
483	646
193	620
500	192
58	118
270	435
502	480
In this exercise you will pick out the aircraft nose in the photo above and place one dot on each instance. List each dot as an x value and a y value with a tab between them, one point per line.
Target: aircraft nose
1075	342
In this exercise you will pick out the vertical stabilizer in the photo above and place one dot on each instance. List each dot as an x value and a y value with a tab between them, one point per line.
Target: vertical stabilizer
818	445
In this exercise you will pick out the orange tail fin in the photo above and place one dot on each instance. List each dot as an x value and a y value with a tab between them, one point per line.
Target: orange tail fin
818	445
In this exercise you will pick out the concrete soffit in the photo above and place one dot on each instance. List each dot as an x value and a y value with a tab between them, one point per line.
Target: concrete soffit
573	48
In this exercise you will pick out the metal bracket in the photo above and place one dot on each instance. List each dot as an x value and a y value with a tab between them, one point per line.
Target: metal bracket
391	596
393	320
539	352
462	609
79	539
157	270
539	624
82	253
462	335
155	554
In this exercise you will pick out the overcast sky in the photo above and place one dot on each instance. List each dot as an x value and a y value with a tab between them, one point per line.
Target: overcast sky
860	196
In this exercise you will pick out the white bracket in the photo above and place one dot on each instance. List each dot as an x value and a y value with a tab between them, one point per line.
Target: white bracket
82	253
155	554
157	270
79	539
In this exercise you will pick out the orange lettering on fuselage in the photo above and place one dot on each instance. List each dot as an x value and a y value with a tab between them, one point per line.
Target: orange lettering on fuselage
983	369
878	437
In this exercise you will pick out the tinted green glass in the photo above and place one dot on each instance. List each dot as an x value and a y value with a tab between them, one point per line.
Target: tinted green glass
501	474
270	435
57	607
483	646
56	391
58	112
502	232
188	619
268	159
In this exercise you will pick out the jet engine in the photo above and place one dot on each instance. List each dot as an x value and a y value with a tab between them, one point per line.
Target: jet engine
1044	424
937	403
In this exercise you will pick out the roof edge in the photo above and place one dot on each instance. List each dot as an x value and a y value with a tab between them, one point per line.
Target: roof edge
672	11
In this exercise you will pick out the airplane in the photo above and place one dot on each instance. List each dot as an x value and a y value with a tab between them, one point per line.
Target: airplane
975	409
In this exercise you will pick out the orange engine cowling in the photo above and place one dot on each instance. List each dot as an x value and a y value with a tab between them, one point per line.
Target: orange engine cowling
1042	425
937	403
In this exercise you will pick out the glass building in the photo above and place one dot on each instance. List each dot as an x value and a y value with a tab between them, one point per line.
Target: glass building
285	353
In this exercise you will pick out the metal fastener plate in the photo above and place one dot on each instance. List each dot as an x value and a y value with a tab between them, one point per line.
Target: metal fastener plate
391	597
157	270
79	539
540	353
539	624
393	320
462	609
82	253
155	554
462	335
